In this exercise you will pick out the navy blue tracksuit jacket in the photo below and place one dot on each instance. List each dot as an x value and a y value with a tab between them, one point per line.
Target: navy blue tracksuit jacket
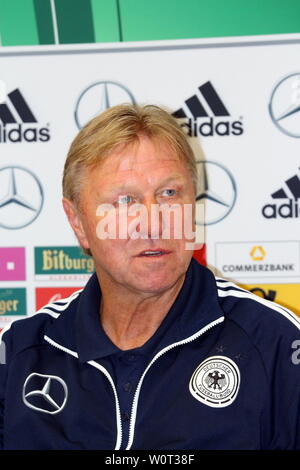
224	375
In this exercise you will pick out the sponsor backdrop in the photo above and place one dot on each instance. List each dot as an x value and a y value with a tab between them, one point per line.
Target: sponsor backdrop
237	98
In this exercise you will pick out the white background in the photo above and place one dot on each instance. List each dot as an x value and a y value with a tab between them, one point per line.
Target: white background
243	71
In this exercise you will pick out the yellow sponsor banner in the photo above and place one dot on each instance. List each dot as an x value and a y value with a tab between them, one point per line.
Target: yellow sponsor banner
287	295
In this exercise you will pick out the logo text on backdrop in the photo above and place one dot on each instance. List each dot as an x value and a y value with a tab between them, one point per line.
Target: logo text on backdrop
205	114
17	121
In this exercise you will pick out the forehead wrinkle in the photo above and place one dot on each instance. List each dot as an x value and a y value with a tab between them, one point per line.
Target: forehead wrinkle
131	163
140	163
128	169
135	154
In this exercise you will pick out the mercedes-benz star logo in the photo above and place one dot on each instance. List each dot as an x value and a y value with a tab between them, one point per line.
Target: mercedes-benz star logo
284	106
217	188
21	197
97	98
45	393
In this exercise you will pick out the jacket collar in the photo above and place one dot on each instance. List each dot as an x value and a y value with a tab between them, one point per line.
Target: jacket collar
78	328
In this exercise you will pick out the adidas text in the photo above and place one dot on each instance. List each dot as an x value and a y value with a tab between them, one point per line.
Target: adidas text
20	133
210	127
285	211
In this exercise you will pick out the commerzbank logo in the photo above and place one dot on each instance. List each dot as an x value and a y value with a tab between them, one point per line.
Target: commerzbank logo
257	253
284	105
18	122
62	263
205	114
98	97
260	260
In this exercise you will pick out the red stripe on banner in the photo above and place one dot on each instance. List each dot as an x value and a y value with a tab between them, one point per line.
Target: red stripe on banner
200	255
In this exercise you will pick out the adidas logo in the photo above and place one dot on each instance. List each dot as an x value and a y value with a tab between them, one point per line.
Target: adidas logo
288	209
202	112
15	115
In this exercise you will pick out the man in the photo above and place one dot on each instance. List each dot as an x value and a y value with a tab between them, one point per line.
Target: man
154	353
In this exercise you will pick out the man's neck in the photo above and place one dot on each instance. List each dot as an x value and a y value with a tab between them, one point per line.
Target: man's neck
129	319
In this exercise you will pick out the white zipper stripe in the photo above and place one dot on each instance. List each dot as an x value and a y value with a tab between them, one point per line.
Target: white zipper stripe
137	392
159	354
107	375
59	346
118	410
292	317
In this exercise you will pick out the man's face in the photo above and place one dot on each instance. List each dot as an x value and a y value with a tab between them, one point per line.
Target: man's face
146	173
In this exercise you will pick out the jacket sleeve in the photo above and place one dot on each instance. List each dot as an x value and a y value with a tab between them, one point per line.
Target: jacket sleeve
5	349
290	374
283	404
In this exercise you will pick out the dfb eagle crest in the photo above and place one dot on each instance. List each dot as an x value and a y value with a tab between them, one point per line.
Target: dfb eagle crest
215	380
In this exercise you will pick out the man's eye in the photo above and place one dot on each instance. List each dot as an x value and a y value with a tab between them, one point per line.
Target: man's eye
169	192
125	199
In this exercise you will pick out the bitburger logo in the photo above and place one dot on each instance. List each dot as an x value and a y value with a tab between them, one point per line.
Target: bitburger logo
286	199
205	114
216	381
18	123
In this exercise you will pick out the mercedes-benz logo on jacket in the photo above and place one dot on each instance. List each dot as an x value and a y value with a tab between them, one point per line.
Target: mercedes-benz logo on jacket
45	393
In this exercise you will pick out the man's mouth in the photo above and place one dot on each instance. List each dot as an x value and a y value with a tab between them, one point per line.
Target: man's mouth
154	253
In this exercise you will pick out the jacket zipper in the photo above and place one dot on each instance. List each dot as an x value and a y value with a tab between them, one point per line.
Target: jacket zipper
157	356
137	392
108	376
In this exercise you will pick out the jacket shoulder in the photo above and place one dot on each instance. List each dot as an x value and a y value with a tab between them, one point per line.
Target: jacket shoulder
273	330
255	314
27	332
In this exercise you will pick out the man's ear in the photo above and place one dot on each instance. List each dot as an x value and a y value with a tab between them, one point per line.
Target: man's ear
74	218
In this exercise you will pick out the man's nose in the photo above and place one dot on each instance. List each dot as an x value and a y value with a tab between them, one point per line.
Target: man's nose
154	220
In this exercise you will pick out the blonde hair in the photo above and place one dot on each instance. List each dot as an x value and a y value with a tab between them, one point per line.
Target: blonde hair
122	125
